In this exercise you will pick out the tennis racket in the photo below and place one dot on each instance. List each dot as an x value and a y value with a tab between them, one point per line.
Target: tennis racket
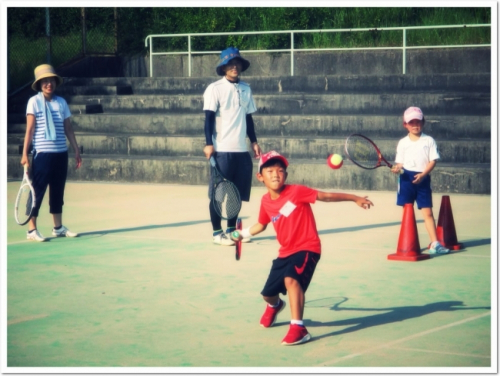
25	200
364	153
237	245
225	196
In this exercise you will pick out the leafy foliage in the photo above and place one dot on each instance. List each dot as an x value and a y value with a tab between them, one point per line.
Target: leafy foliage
134	24
27	27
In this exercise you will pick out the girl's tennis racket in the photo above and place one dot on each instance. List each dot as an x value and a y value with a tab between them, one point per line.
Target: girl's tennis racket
237	245
25	200
225	196
364	153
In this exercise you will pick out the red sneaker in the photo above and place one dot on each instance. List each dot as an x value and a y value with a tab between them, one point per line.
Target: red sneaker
296	334
270	314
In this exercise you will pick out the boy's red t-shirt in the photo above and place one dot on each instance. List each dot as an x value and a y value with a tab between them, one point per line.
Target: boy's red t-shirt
293	219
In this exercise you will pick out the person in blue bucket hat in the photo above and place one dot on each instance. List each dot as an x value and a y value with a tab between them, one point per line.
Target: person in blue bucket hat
226	56
228	105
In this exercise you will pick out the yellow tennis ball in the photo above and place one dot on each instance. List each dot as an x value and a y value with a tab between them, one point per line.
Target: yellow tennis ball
335	161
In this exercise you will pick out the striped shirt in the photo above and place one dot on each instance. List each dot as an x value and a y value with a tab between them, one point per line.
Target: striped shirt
60	111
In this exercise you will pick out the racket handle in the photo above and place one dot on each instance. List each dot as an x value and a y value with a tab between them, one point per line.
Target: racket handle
401	171
25	168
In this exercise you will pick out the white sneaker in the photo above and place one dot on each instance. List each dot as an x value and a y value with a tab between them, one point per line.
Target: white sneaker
35	235
222	239
437	248
63	231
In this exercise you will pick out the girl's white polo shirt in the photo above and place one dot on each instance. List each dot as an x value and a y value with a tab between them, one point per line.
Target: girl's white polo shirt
416	155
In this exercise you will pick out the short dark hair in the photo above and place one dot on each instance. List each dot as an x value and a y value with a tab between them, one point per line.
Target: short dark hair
273	162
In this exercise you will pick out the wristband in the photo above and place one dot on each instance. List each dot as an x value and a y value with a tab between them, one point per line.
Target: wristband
245	233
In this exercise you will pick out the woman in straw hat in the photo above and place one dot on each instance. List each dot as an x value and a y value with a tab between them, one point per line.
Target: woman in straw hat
47	127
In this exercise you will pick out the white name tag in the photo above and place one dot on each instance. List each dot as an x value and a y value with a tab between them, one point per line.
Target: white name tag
287	209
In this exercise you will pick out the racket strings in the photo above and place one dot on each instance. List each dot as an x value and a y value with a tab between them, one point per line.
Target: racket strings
24	204
362	151
227	200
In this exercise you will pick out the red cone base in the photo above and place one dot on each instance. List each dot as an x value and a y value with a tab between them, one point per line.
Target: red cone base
408	244
445	229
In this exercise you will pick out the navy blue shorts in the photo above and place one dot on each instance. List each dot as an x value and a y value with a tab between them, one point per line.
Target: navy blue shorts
49	170
299	266
408	192
238	169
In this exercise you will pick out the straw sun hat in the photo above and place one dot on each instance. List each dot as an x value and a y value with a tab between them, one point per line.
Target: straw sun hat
44	71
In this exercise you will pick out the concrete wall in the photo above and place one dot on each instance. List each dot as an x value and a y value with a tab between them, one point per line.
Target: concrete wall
427	61
418	62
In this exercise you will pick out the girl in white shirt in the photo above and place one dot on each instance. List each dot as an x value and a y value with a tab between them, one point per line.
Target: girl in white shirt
417	155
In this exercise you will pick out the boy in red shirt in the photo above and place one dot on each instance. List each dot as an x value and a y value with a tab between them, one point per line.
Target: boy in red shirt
288	208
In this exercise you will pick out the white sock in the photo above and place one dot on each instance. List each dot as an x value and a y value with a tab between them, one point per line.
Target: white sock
274	306
297	322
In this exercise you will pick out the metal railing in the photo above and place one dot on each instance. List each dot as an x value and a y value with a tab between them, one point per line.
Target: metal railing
292	50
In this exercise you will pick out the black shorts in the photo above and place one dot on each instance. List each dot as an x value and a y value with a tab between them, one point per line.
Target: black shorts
299	266
238	169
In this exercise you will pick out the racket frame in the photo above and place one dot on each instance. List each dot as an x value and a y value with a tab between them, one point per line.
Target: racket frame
379	153
237	245
218	179
25	182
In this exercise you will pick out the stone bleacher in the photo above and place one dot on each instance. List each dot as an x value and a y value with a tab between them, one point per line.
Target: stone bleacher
137	129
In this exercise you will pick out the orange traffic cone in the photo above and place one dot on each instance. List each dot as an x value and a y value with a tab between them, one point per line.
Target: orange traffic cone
445	229
408	245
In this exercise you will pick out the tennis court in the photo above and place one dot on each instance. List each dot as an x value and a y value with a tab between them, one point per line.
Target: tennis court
143	286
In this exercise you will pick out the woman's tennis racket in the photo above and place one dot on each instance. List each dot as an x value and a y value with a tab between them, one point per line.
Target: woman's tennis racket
25	200
225	196
237	245
364	153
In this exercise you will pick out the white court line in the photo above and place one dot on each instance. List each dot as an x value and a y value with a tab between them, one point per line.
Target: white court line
111	235
458	254
461	255
144	237
256	241
445	353
20	242
390	344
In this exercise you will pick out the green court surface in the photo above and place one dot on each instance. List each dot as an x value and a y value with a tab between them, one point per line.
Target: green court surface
143	286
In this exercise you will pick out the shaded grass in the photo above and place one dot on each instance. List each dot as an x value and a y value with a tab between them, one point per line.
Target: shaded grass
25	54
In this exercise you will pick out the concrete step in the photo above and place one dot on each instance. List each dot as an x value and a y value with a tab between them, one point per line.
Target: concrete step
70	90
299	84
452	178
458	151
456	103
440	127
17	113
345	104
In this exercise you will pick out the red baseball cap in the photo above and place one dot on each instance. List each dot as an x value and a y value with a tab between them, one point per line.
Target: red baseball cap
272	155
413	113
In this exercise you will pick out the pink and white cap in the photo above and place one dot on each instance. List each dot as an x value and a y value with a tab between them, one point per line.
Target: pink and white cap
413	113
272	155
